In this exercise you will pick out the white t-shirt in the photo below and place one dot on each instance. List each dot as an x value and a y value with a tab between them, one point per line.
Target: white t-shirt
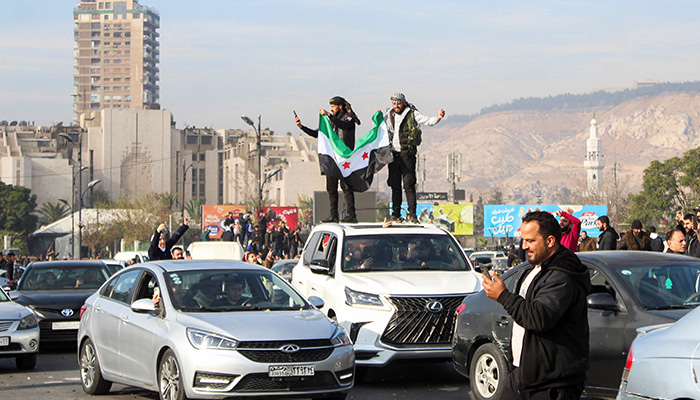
516	342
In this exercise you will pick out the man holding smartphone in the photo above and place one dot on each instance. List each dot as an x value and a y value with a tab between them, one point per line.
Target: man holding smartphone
550	338
160	248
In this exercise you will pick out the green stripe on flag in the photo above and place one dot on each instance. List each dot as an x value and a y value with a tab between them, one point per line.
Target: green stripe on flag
339	147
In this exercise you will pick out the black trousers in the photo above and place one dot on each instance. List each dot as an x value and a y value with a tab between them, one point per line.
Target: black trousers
512	391
402	170
332	189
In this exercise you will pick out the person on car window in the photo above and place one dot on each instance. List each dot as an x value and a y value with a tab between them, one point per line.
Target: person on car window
88	279
233	294
421	253
48	280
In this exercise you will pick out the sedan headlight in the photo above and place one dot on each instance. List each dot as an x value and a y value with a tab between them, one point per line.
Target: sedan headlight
340	336
28	322
362	299
207	340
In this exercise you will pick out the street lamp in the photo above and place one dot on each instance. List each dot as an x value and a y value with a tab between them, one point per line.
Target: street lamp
184	178
80	216
257	133
80	184
269	175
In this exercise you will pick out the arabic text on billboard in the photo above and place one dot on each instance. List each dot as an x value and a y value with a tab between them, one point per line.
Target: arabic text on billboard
504	220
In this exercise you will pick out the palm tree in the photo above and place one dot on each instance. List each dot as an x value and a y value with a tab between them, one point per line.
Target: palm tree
194	208
54	211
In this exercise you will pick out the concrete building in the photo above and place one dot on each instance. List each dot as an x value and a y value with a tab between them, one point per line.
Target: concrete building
36	157
116	56
593	160
132	151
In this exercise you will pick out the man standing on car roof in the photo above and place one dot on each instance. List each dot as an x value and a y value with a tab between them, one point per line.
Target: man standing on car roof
550	332
343	121
403	120
160	248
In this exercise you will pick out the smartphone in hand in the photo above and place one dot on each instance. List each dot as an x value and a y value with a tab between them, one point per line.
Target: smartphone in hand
486	271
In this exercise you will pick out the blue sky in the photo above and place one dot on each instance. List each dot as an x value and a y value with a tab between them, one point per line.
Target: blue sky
224	58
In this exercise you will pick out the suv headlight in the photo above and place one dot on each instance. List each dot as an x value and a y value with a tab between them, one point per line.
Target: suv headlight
28	322
207	340
340	336
355	298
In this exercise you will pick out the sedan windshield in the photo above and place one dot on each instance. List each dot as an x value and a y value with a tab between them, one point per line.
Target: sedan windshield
402	252
62	278
231	290
663	287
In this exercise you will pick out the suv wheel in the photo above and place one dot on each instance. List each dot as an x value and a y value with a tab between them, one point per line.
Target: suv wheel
488	372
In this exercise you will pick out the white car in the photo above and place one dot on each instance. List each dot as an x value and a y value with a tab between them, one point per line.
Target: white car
395	290
211	330
19	332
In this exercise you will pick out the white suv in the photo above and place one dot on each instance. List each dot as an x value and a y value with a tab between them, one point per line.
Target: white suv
394	289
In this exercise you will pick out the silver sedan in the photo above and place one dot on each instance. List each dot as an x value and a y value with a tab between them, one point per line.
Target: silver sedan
211	330
664	361
19	332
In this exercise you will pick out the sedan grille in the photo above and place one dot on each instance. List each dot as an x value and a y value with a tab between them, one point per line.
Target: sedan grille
47	334
5	326
322	380
422	320
270	351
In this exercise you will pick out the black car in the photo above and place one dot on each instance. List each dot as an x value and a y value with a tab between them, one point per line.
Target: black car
55	291
630	289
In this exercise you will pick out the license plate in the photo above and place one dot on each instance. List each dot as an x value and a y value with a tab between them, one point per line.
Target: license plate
4	341
290	370
61	326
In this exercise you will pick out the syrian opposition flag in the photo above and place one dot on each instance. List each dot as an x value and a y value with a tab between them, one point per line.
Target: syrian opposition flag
357	167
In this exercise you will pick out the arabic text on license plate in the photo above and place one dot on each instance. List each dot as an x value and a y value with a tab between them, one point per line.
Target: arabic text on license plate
290	370
59	326
4	341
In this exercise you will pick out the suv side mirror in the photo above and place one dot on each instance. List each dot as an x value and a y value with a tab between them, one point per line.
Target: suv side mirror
319	266
602	301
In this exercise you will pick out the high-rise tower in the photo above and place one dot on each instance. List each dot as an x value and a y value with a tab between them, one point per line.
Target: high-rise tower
116	56
593	161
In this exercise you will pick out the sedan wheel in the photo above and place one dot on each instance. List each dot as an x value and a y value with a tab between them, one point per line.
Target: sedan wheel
90	373
170	378
488	372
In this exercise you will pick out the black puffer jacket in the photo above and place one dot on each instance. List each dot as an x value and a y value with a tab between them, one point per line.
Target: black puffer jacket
608	239
555	318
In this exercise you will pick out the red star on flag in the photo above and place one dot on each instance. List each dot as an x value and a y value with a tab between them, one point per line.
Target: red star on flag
346	165
365	155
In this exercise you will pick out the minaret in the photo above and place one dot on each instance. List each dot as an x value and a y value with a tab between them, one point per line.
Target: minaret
593	161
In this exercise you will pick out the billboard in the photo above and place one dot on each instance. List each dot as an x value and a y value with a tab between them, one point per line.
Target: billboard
504	220
213	218
456	218
288	215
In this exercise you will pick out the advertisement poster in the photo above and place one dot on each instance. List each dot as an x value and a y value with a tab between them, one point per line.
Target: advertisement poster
288	215
456	218
213	218
503	220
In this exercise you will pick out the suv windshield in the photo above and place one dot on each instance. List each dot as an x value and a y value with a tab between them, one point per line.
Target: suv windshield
402	252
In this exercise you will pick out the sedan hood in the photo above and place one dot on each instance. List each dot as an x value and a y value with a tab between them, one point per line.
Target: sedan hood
414	282
262	325
56	300
10	311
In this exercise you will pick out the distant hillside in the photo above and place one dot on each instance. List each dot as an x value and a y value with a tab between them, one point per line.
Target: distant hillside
568	101
514	148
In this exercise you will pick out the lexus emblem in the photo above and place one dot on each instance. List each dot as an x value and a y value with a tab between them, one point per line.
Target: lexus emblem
434	306
289	348
67	312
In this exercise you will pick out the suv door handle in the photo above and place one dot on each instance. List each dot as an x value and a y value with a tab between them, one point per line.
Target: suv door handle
503	321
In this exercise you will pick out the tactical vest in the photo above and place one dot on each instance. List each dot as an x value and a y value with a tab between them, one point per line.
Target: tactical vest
410	135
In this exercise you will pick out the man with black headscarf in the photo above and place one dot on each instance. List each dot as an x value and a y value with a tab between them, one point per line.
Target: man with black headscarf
343	121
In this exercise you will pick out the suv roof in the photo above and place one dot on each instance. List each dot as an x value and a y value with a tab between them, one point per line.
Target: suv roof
374	228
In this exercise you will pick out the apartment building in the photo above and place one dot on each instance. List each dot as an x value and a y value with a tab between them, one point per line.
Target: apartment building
116	56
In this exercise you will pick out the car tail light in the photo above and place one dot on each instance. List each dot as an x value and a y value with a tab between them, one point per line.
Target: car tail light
460	308
628	364
82	310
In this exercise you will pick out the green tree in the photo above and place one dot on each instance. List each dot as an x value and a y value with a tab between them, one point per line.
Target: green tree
54	211
17	219
194	208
